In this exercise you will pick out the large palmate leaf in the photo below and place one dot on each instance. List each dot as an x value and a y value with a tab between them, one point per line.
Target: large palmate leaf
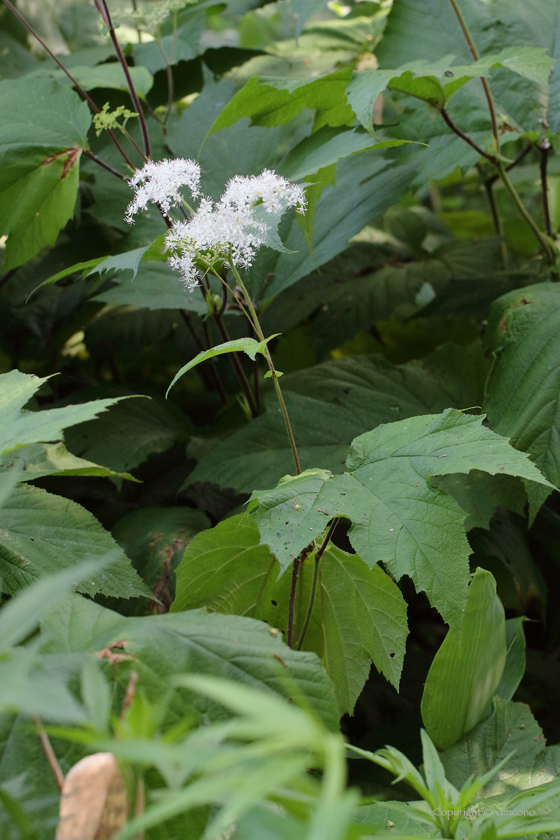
330	404
524	386
464	675
20	427
359	614
398	516
194	642
39	163
41	534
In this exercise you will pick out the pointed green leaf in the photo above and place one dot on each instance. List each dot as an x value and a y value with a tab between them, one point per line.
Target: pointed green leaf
274	101
523	393
515	658
39	459
231	647
509	732
41	533
325	147
464	675
20	427
240	345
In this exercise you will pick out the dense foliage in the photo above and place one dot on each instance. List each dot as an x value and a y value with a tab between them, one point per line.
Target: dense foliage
279	470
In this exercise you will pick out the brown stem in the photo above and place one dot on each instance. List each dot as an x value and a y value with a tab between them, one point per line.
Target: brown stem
234	359
103	10
49	752
544	188
485	85
7	276
465	137
102	163
315	581
78	87
291	608
213	369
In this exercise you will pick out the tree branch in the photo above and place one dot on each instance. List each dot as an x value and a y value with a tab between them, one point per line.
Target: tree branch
465	137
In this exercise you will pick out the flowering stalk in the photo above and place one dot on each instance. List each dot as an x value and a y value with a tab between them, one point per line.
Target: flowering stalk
219	235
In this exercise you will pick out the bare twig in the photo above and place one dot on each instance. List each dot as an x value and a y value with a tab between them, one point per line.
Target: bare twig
103	10
465	137
49	752
485	85
544	187
102	163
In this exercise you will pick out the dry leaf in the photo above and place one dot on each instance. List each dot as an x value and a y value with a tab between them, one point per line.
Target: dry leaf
94	801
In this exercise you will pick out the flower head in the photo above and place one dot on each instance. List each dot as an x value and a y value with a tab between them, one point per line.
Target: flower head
275	193
160	183
231	230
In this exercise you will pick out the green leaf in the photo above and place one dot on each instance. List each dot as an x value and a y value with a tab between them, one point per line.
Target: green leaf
504	551
184	45
330	404
41	533
155	539
436	83
20	427
465	675
479	494
366	186
155	286
240	345
39	459
325	147
494	27
359	614
39	156
523	389
21	615
107	76
274	101
130	432
196	642
515	658
129	261
511	728
398	516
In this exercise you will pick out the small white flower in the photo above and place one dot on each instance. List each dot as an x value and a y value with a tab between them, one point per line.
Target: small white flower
160	183
275	192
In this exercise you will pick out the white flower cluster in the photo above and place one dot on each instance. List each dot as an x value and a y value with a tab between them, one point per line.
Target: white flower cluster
230	230
160	183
